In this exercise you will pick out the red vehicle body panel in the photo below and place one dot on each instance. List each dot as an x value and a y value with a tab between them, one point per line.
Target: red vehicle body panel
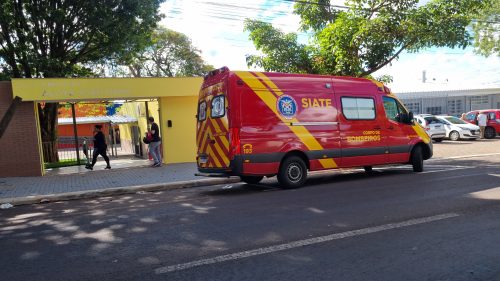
493	122
268	116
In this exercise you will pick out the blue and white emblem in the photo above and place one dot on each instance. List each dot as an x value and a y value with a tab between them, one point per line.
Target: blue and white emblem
286	106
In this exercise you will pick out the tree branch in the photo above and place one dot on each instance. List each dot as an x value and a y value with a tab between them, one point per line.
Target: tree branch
368	72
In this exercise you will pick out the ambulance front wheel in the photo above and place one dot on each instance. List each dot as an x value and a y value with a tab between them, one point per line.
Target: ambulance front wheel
292	172
417	159
251	179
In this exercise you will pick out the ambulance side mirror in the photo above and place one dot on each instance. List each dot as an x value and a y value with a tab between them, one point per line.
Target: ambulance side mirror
410	118
406	118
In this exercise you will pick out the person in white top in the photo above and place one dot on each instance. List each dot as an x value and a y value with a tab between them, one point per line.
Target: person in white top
481	122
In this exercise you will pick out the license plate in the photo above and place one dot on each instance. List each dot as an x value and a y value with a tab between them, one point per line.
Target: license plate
438	126
203	159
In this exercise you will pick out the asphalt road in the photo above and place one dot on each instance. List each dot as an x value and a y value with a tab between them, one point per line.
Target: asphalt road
393	224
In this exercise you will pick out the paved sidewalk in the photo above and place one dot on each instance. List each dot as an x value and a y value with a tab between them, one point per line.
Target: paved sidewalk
29	190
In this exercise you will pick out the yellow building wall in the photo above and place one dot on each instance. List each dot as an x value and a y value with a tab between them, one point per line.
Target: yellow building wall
178	141
177	102
138	110
74	89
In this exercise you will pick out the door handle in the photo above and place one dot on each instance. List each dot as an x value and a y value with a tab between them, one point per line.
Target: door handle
377	128
390	127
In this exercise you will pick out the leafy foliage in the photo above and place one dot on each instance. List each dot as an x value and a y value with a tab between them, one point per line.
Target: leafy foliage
363	38
487	30
282	52
169	54
54	38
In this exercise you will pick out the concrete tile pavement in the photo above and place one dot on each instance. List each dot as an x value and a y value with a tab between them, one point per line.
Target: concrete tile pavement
28	190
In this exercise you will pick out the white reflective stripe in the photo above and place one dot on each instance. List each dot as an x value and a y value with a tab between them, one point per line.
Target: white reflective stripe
313	123
302	243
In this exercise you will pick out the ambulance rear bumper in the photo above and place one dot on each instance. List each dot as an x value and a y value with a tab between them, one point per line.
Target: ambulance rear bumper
235	169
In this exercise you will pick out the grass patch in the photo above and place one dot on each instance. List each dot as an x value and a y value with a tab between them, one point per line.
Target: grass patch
64	163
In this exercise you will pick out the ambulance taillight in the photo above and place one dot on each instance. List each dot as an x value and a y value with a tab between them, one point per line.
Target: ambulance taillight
234	136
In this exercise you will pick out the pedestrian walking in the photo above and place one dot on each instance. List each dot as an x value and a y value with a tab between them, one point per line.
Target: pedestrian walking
85	148
100	148
482	119
154	145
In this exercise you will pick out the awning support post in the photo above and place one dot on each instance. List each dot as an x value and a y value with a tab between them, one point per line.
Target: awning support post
75	131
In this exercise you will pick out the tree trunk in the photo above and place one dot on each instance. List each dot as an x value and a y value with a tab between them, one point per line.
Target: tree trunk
48	125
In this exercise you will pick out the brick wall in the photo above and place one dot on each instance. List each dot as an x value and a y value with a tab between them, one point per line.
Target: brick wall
19	152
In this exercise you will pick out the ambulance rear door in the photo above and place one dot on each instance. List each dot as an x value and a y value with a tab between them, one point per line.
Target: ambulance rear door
212	136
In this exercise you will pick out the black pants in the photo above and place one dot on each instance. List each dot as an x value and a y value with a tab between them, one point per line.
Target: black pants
99	151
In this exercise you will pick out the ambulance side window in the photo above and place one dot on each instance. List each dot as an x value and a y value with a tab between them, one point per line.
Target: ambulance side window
393	109
202	111
358	108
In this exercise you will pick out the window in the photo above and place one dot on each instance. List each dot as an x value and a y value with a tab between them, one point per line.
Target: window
358	108
393	109
218	106
202	111
432	120
455	107
491	116
480	102
471	116
413	107
434	110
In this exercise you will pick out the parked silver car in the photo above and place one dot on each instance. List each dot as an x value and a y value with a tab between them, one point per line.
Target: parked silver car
432	125
457	128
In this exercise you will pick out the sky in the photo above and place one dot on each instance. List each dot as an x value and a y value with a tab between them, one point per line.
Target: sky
216	29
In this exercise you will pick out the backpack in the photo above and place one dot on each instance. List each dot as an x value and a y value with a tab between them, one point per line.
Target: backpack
148	138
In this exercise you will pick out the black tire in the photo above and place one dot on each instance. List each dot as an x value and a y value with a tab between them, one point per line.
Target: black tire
438	140
489	133
454	135
368	169
292	173
417	159
251	179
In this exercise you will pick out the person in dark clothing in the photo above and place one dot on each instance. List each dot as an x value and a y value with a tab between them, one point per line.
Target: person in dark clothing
100	147
154	145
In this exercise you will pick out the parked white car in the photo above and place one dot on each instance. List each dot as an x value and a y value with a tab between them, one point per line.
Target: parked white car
457	128
432	125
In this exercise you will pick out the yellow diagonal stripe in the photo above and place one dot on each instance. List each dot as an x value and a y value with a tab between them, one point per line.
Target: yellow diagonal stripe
270	83
421	133
270	100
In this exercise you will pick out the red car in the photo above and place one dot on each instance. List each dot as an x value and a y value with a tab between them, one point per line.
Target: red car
492	127
256	124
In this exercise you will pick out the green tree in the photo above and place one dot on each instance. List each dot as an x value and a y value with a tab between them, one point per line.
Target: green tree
56	38
169	54
487	30
363	38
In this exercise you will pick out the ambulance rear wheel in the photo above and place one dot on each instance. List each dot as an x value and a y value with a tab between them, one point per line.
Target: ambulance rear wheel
292	173
251	179
417	159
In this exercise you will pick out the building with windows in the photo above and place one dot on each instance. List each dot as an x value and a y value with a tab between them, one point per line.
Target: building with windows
454	102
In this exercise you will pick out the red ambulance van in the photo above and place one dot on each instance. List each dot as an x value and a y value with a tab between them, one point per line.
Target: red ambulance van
256	124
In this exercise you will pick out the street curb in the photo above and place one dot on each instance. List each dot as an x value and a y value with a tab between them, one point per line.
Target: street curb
35	199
